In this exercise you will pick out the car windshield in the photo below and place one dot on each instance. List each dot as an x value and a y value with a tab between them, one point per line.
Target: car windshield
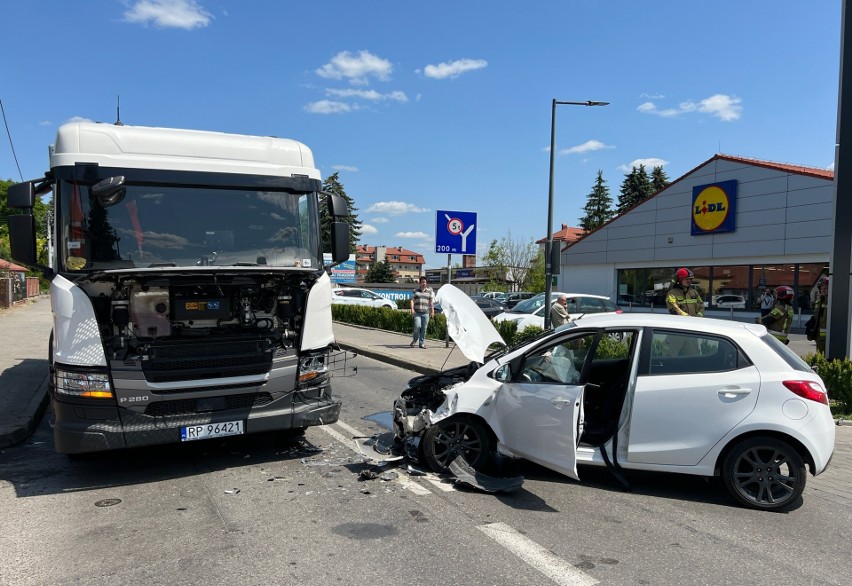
790	357
529	305
162	225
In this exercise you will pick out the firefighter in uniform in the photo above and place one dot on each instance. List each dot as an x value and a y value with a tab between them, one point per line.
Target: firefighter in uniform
780	317
821	311
683	299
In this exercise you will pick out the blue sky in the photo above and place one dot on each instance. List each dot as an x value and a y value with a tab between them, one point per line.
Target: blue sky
439	105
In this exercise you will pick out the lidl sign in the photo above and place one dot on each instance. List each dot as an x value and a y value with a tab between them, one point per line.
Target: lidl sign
714	207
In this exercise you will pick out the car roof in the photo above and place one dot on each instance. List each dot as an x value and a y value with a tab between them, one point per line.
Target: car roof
662	320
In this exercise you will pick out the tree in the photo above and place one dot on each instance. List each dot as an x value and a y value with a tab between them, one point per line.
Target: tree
381	272
659	179
635	188
40	211
509	259
535	280
333	185
598	206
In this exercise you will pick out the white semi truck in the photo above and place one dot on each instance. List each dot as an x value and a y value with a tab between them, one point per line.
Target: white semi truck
188	290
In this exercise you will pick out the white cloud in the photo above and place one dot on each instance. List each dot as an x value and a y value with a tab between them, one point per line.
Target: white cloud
411	235
651	96
722	106
586	147
454	68
356	68
78	119
330	107
45	123
830	167
395	208
349	168
185	14
368	229
367	95
379	220
649	163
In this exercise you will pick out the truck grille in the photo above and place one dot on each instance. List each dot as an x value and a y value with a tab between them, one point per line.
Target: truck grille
198	360
190	406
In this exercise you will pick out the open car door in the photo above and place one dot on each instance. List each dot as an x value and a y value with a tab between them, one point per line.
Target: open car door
539	406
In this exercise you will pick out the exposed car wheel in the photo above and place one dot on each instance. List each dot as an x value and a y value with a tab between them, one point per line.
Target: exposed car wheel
764	473
447	439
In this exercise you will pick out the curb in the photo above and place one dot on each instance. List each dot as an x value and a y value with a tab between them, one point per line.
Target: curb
382	356
26	425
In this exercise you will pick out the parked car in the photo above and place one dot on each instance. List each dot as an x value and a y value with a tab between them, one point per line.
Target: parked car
531	311
493	294
729	301
356	296
513	298
636	391
625	299
490	307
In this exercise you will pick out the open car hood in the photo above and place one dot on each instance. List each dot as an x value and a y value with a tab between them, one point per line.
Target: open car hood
467	325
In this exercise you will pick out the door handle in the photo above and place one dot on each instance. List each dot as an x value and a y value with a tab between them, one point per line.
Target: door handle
560	403
732	392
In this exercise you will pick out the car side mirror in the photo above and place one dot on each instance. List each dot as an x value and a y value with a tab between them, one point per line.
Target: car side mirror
503	374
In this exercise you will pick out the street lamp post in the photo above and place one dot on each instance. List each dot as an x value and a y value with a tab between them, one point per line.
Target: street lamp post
548	247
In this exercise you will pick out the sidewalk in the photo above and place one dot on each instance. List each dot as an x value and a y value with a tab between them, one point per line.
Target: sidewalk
24	338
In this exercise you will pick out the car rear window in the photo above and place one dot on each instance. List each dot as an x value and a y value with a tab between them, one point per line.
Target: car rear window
791	358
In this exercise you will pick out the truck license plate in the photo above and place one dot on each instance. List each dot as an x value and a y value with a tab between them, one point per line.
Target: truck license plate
211	430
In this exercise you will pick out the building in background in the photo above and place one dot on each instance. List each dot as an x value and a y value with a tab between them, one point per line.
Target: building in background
741	225
407	265
563	237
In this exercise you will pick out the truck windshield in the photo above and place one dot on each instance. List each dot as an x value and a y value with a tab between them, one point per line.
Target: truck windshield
156	225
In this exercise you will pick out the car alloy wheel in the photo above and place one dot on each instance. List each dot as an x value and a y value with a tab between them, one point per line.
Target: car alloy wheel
460	436
764	473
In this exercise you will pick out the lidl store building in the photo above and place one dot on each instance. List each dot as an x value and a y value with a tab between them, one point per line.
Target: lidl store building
741	225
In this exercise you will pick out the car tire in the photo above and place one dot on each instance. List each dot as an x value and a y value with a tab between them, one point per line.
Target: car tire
764	473
457	436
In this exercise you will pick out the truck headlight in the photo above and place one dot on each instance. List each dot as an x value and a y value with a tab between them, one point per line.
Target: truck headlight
312	369
92	385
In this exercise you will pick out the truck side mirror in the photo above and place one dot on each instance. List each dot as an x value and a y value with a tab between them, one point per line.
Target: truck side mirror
22	238
339	242
21	195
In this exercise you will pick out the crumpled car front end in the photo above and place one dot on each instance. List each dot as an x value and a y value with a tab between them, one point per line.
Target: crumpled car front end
426	400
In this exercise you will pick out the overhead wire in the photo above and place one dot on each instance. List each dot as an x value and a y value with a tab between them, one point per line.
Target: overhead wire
9	134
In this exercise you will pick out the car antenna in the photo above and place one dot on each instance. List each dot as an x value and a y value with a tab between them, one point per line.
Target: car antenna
118	121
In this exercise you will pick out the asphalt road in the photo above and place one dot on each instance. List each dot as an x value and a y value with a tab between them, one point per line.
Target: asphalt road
275	509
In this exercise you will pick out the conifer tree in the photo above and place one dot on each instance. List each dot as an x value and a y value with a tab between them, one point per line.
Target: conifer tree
635	188
659	179
333	185
598	210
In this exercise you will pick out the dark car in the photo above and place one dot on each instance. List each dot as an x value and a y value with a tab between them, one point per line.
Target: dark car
515	297
490	307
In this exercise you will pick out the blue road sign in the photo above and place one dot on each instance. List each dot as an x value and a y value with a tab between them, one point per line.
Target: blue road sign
455	232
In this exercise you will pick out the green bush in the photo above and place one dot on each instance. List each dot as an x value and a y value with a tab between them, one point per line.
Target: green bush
391	320
837	375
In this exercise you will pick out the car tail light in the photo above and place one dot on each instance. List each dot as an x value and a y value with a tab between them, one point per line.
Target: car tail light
619	311
807	390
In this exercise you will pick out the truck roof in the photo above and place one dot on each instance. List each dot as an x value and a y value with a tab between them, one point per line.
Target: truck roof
141	147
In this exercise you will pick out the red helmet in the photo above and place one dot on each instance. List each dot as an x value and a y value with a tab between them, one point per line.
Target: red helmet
823	280
784	293
683	274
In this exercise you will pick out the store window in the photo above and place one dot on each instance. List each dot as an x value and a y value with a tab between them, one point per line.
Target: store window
724	287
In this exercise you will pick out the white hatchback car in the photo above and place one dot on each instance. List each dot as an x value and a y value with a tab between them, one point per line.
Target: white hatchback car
356	296
636	391
530	312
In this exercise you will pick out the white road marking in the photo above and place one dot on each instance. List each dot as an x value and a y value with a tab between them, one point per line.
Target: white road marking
346	441
537	556
350	429
350	443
